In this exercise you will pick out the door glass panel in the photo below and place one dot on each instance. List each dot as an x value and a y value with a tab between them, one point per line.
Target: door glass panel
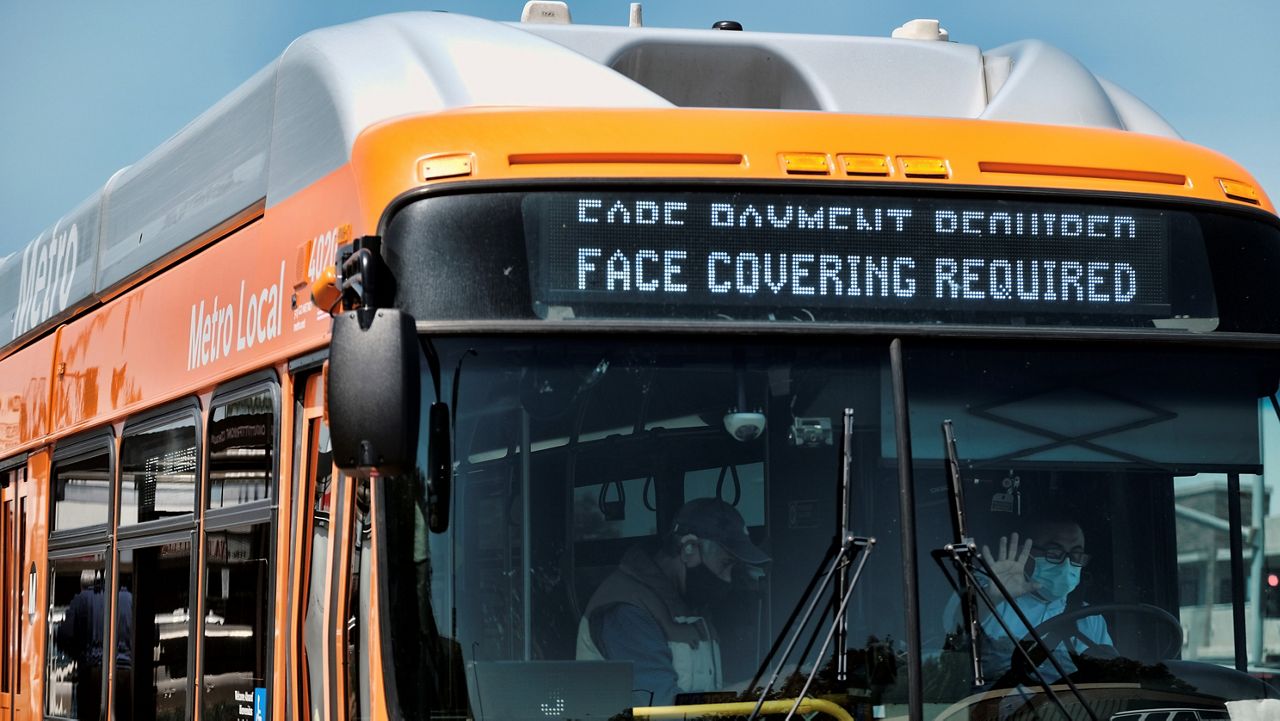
359	597
236	620
77	612
19	568
154	630
8	571
320	467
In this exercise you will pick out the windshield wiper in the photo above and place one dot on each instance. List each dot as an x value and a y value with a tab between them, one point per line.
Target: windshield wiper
964	556
962	544
845	550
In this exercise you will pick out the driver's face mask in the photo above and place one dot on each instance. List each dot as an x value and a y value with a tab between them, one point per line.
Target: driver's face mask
1056	579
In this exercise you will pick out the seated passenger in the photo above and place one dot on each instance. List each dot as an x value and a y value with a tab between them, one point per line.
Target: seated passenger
1040	575
649	610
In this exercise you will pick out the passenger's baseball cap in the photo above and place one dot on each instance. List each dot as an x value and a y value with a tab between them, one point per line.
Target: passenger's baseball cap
716	520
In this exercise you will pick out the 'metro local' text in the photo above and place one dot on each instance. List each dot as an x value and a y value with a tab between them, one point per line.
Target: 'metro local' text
220	329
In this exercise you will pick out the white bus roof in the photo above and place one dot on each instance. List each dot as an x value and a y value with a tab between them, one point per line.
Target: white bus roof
297	119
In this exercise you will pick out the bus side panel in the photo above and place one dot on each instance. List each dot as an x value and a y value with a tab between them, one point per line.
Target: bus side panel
24	395
310	225
237	306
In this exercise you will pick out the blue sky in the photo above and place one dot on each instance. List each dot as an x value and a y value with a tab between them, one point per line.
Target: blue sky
89	87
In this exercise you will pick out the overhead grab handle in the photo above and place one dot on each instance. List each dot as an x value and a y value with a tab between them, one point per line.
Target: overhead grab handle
737	484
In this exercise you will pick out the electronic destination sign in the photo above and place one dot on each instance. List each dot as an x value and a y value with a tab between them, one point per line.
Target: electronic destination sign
733	252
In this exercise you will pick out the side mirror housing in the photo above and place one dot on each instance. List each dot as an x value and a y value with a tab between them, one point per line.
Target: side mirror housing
374	391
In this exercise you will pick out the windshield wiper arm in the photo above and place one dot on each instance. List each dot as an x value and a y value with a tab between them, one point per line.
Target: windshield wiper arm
862	548
844	550
839	558
964	555
960	539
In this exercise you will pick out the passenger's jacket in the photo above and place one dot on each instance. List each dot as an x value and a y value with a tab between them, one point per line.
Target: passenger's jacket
639	584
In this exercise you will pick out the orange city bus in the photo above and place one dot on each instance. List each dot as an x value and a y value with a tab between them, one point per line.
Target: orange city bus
344	401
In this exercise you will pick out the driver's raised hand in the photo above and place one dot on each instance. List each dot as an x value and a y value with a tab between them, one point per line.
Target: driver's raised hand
1010	566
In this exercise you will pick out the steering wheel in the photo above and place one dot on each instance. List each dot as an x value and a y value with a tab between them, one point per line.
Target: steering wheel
1062	627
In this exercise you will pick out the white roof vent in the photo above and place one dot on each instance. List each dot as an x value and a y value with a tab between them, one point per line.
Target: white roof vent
920	29
552	12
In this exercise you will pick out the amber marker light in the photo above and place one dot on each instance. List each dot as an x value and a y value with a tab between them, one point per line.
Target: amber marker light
805	163
1239	191
446	166
924	167
865	164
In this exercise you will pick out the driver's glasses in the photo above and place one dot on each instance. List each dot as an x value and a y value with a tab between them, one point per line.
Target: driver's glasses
1055	554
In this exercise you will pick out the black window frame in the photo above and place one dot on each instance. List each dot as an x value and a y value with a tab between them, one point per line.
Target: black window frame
156	540
140	424
301	371
77	448
260	512
9	464
227	393
201	584
108	569
72	542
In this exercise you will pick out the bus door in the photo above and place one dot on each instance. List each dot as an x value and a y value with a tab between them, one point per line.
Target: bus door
15	591
314	650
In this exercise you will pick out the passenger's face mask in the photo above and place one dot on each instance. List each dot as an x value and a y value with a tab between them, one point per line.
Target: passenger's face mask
702	588
1056	579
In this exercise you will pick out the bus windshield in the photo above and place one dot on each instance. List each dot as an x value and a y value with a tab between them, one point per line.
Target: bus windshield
633	521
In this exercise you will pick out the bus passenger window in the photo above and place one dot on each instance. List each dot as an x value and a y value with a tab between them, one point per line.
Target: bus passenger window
242	436
77	610
236	619
238	577
158	471
615	509
82	491
741	486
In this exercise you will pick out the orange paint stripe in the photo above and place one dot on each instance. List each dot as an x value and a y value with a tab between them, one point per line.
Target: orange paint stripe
1072	171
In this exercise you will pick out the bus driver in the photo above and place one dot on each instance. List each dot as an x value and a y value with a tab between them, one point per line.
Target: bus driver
648	611
1040	575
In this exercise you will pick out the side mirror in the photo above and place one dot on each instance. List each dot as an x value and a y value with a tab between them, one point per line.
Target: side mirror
374	391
